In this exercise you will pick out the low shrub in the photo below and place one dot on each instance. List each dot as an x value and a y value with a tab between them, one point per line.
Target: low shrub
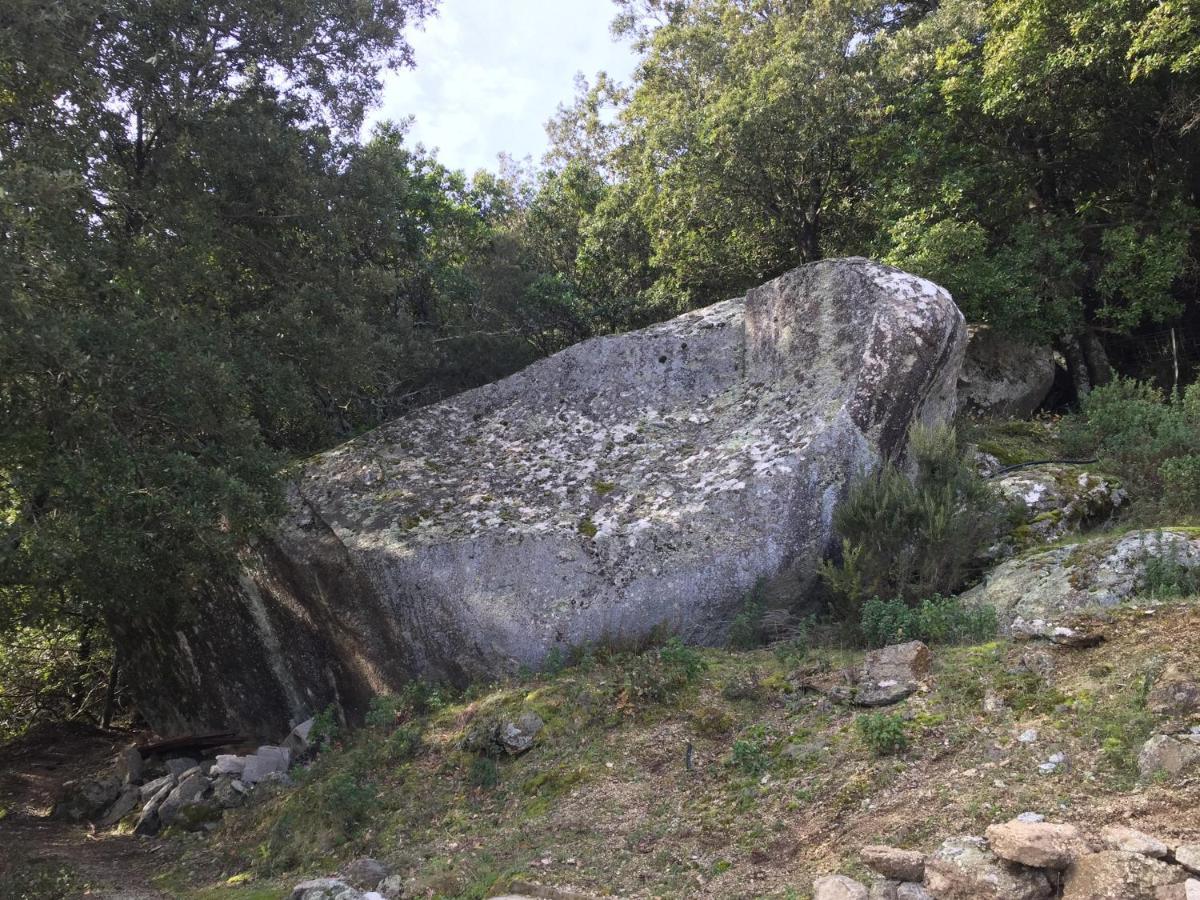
935	620
913	537
883	733
1149	439
750	751
484	773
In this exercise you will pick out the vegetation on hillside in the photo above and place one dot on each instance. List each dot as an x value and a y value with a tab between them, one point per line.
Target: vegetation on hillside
205	274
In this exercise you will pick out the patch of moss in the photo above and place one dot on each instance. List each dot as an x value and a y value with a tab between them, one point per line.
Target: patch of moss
587	528
603	487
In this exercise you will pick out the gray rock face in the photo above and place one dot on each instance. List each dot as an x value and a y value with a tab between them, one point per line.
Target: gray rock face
965	869
325	889
1034	592
838	887
1058	500
1169	756
1004	378
588	497
890	674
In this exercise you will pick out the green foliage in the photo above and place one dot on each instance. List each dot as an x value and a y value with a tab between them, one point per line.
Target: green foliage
1150	440
659	675
325	728
935	620
40	880
484	773
909	538
1166	577
750	751
746	631
884	734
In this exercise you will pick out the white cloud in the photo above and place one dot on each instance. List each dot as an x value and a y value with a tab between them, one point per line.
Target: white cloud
490	73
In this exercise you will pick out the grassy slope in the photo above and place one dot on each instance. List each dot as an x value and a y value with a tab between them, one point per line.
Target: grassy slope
781	788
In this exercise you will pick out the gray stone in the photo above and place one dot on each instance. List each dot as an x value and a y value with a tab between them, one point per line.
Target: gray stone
518	736
228	791
1028	736
1187	890
148	822
588	496
1188	856
258	768
1168	755
965	869
1003	377
365	873
1031	817
188	790
1117	875
1121	837
912	891
392	887
892	673
124	804
150	788
297	741
325	889
130	765
87	798
892	862
177	767
1043	845
1055	500
228	764
1174	694
1038	591
281	756
838	887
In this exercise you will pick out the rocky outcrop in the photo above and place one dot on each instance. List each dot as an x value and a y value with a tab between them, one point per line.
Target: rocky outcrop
1029	858
588	497
1035	593
1056	500
1003	377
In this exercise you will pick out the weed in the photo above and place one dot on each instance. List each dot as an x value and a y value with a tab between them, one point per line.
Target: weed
749	754
935	620
324	729
884	734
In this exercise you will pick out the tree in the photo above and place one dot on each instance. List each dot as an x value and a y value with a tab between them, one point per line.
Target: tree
182	300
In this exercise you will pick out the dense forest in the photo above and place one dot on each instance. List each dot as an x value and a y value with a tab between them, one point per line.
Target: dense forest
207	273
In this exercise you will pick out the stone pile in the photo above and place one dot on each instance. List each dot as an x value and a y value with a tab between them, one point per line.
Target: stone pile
180	791
1028	858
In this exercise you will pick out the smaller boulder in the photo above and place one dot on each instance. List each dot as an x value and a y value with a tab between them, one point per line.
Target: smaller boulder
1188	856
229	792
187	791
130	765
229	764
1043	845
177	767
518	736
965	869
87	798
325	889
838	887
1174	695
891	862
150	788
148	822
1169	755
912	891
365	873
297	741
1122	837
892	673
1186	890
1117	875
124	804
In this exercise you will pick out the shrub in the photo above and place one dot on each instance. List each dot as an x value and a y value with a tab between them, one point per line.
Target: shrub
910	538
1168	576
749	754
324	729
936	620
883	733
657	675
1148	439
403	743
484	773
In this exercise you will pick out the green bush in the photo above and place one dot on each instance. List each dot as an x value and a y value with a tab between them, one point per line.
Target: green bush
883	733
915	537
749	754
936	620
403	743
484	773
1150	440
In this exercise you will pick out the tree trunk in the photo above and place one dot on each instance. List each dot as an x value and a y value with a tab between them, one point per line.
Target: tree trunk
1077	365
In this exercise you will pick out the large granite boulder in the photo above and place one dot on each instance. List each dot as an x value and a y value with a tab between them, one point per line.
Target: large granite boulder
1003	377
629	482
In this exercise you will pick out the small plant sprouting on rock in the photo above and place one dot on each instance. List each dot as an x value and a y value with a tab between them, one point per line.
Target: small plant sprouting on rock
885	734
603	487
587	528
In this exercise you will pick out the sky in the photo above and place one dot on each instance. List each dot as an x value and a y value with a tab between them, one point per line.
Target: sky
490	73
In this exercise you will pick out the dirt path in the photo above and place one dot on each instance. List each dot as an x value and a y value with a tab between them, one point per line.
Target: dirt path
33	846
